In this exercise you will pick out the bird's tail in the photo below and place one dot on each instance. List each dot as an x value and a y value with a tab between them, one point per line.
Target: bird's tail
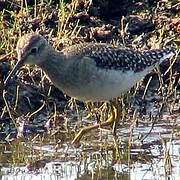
160	55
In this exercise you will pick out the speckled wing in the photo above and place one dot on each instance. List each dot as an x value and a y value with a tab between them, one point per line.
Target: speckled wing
125	59
108	57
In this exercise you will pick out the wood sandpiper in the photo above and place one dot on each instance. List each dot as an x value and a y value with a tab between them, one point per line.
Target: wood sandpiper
89	71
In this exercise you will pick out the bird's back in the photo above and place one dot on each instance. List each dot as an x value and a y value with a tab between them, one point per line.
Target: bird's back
108	57
105	72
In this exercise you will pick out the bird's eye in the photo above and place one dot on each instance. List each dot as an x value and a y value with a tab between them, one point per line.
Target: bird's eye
34	50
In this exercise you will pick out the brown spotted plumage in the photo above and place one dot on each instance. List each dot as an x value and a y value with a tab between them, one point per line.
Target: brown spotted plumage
109	57
89	71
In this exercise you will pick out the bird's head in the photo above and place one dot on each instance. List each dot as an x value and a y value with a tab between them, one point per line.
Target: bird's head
31	49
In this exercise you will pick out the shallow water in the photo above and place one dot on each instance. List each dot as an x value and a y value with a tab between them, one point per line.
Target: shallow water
156	157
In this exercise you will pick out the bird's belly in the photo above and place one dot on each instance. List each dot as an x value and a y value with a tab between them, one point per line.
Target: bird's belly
104	85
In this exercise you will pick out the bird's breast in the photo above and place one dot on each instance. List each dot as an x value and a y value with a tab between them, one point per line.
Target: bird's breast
101	85
87	82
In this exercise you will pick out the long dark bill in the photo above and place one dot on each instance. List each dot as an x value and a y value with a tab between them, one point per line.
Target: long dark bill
19	64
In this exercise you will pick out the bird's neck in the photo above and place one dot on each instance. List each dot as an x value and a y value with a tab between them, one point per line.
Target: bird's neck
55	67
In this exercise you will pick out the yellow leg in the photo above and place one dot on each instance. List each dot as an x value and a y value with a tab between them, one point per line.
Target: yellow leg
117	109
112	120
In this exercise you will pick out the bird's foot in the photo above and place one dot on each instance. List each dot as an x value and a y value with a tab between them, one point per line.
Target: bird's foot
76	140
112	120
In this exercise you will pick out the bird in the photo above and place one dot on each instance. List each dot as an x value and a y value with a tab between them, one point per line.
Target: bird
89	72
